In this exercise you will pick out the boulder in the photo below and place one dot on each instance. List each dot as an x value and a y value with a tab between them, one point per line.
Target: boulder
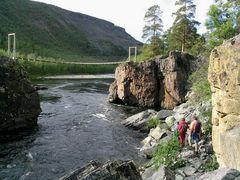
186	154
19	105
170	121
220	174
150	143
163	114
114	170
113	96
224	78
136	84
158	133
160	174
140	121
189	170
184	111
155	135
160	82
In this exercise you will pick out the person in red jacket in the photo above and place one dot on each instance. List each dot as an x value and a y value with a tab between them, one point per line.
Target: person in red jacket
182	129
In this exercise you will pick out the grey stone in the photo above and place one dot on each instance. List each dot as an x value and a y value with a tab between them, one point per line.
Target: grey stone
160	174
189	170
197	163
150	144
157	133
231	174
164	126
203	156
170	121
220	174
180	172
186	154
148	172
112	170
140	121
179	177
163	114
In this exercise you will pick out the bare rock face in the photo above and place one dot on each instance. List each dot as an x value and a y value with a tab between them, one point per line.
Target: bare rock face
224	77
155	83
136	84
19	100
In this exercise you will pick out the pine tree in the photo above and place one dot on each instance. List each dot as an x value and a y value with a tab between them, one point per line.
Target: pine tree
223	21
152	31
183	33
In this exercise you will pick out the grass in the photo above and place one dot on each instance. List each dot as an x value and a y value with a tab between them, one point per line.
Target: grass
38	68
200	85
211	164
207	127
153	122
166	154
45	68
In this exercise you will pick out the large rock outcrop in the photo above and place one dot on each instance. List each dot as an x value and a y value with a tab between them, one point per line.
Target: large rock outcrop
160	82
224	77
19	100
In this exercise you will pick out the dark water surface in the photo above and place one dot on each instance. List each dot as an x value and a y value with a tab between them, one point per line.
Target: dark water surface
76	125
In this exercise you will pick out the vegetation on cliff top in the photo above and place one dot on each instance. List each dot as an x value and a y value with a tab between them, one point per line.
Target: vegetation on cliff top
223	23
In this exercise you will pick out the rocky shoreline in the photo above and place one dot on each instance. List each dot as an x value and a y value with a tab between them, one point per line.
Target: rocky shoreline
190	170
161	82
20	104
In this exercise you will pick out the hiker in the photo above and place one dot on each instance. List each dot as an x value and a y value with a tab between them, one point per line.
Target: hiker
195	133
182	129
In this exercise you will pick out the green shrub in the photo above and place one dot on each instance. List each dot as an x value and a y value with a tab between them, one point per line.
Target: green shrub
178	164
211	165
153	122
3	53
207	127
202	93
166	154
145	53
200	85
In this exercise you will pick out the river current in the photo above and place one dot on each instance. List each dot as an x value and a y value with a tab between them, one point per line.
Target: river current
76	125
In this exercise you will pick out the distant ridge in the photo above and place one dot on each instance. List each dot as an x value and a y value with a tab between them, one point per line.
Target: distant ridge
50	31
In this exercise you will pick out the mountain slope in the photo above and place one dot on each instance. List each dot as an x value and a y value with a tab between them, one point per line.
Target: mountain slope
47	30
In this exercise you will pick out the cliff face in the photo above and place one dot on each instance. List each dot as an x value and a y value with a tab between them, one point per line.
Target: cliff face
19	100
224	77
155	83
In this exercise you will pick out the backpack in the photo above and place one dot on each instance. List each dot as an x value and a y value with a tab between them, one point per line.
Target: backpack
197	128
184	127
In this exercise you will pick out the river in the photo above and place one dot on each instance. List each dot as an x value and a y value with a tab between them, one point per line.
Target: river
76	125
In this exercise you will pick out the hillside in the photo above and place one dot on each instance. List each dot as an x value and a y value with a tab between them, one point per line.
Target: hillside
50	31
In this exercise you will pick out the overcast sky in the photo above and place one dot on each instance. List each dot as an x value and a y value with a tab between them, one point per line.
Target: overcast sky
129	14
